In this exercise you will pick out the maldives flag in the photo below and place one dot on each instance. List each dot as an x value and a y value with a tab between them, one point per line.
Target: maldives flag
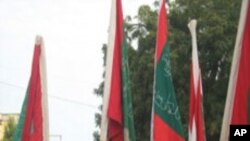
117	116
166	121
33	121
196	126
237	107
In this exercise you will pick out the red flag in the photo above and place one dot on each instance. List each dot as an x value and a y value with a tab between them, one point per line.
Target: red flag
196	122
112	125
238	95
240	108
117	119
33	121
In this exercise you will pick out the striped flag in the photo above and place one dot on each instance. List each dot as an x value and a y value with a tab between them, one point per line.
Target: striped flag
196	126
237	107
117	116
166	121
33	121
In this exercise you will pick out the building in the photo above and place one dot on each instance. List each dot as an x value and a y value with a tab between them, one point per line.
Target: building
4	117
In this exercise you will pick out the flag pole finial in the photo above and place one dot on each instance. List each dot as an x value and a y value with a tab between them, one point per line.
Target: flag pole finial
39	40
192	25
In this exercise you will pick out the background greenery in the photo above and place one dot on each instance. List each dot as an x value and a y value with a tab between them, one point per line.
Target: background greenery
216	33
9	130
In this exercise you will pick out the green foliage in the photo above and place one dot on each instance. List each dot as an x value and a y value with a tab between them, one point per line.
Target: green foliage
142	72
216	33
9	130
96	136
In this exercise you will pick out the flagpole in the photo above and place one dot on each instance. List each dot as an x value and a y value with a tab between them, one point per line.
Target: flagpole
196	126
192	27
192	130
233	75
43	70
108	72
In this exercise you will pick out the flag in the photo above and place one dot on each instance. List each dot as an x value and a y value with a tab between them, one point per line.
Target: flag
33	121
166	121
117	115
237	107
196	128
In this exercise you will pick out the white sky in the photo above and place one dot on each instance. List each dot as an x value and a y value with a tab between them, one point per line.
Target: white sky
73	31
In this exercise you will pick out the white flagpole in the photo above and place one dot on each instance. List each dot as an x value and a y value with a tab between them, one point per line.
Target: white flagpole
43	74
108	72
234	73
192	27
192	132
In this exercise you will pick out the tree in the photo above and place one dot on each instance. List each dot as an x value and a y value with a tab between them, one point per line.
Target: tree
9	129
217	27
216	32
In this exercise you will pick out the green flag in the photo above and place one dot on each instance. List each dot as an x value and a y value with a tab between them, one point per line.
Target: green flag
129	131
166	122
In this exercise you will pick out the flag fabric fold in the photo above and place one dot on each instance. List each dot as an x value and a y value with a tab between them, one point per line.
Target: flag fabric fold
237	106
166	121
117	116
33	121
196	125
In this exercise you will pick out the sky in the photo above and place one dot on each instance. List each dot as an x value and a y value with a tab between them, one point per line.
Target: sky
74	32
